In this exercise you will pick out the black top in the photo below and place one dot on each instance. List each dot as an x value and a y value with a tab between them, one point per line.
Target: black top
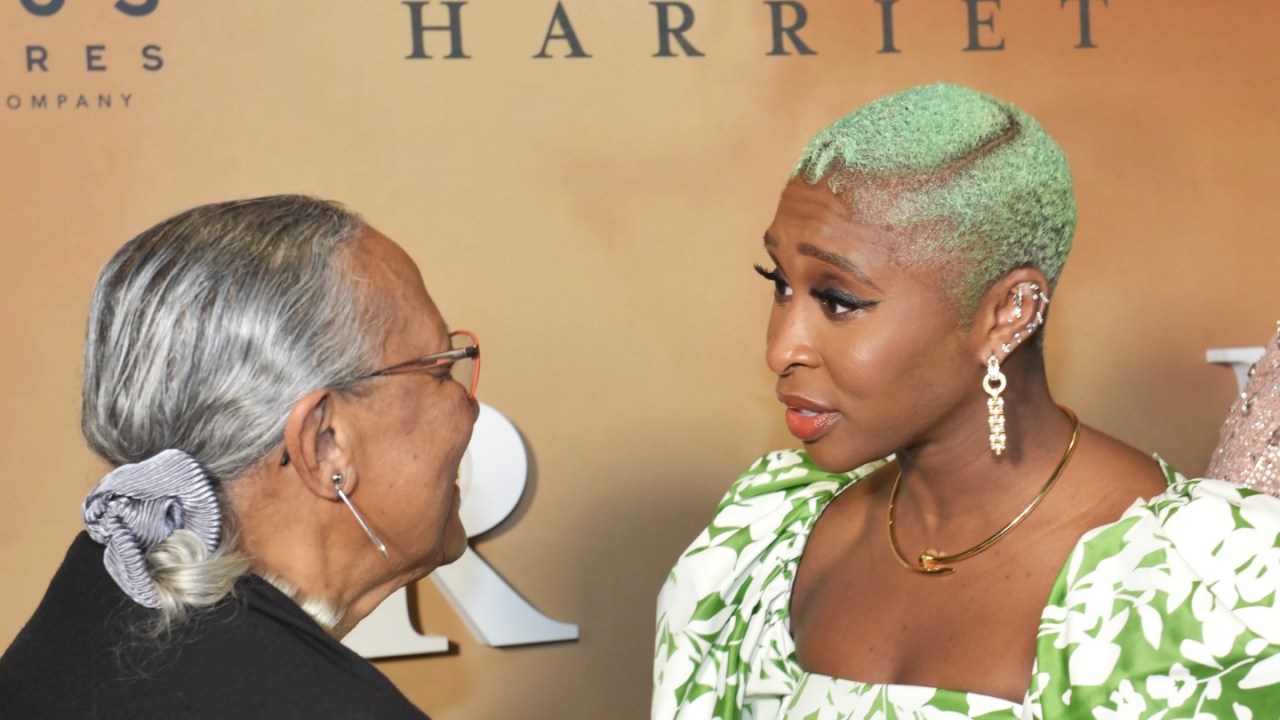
254	655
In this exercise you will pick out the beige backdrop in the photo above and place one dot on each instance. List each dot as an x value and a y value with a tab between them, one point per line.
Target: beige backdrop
594	220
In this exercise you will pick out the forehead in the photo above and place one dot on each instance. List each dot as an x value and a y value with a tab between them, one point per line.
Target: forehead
812	215
384	264
413	321
816	228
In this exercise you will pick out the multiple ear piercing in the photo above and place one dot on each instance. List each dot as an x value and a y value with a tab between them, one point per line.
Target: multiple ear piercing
1041	300
933	562
994	381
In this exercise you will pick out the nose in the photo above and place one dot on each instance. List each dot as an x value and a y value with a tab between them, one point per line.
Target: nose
789	342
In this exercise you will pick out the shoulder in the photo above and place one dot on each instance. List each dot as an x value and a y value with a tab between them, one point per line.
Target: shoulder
1224	535
262	656
722	610
82	654
787	474
777	491
1109	476
69	646
1172	603
1220	532
775	498
1217	533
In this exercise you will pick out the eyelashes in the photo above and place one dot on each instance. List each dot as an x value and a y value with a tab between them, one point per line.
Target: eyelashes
781	288
834	303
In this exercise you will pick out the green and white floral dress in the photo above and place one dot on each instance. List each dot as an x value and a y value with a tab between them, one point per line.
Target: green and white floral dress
1169	612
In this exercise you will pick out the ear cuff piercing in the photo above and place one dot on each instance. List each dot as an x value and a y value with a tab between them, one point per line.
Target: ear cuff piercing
1041	300
994	382
342	495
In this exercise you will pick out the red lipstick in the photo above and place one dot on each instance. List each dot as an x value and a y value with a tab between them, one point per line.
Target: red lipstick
806	419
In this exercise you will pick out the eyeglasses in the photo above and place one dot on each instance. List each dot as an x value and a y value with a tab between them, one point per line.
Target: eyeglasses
463	362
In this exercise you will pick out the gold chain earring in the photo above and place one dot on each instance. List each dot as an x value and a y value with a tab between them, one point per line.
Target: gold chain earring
993	383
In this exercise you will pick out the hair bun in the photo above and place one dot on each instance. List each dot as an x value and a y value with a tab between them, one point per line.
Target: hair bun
137	506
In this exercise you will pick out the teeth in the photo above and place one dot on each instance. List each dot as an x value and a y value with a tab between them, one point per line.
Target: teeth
808	413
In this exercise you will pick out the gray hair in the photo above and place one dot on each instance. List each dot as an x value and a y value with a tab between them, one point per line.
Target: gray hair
203	332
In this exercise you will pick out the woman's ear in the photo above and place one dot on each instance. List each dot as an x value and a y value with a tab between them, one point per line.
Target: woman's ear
1011	312
316	449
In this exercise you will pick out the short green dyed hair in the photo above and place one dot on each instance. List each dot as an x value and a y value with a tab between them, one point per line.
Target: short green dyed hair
977	185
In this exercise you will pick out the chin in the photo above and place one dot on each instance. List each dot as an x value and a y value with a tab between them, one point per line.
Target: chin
453	550
832	457
454	543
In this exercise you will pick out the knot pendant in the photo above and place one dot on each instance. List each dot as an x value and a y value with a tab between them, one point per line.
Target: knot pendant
929	563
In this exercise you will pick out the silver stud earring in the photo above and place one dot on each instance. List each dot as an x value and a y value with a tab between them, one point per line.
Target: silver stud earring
1041	299
1006	348
337	486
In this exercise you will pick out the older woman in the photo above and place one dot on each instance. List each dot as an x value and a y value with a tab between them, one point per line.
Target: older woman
286	410
951	543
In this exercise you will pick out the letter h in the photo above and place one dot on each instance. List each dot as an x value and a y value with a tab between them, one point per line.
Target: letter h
419	30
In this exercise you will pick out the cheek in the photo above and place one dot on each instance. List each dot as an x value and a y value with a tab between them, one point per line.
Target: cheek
459	423
873	362
863	369
448	431
414	439
902	368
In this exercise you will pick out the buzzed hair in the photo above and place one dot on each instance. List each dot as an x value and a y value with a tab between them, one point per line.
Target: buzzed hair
976	185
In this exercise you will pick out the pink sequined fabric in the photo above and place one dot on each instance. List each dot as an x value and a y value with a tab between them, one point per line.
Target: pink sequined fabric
1248	450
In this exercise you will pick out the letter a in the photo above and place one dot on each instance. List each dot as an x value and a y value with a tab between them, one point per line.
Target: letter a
561	18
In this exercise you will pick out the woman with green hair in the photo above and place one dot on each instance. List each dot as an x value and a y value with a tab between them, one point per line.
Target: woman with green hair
950	542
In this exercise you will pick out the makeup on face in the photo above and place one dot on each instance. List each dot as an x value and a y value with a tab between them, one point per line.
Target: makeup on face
866	353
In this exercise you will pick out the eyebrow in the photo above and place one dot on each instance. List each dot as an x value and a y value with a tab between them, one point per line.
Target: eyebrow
830	258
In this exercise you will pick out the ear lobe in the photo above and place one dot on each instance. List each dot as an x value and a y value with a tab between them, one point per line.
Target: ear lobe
315	452
1012	311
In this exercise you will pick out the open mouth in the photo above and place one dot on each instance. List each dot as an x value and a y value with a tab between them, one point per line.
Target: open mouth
806	419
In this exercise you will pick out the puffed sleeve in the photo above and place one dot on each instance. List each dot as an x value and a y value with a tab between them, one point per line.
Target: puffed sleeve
1171	612
718	651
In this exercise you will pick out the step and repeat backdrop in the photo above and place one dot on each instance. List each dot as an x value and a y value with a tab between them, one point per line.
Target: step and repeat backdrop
585	184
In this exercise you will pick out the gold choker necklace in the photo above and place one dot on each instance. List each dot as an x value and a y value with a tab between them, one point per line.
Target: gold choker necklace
932	562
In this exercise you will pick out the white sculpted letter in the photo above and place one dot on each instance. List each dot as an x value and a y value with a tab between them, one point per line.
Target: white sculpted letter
493	475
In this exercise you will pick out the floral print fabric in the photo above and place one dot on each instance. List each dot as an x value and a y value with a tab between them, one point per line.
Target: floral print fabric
1170	612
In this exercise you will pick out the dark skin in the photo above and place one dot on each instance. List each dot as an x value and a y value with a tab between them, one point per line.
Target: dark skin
875	339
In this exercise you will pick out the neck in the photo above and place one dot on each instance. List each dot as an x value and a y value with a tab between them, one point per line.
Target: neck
326	615
953	480
312	551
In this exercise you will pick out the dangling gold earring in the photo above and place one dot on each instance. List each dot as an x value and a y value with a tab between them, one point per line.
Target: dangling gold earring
377	542
993	383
